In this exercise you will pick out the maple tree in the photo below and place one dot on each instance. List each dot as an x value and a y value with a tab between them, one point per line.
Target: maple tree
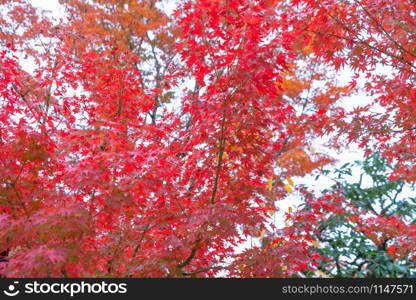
375	39
152	145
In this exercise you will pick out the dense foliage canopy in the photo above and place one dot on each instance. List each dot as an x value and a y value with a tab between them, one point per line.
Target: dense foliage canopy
141	143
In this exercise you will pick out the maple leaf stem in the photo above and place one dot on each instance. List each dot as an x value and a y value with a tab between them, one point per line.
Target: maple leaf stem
220	156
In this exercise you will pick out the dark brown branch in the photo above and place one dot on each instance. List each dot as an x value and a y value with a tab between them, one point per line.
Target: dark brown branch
220	157
204	270
383	30
361	41
138	246
190	257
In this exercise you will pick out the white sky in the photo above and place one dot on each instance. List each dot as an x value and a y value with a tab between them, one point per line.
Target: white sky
51	5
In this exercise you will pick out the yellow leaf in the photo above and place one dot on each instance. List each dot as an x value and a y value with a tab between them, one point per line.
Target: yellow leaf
262	233
308	49
323	274
288	188
270	183
316	244
236	148
277	84
290	181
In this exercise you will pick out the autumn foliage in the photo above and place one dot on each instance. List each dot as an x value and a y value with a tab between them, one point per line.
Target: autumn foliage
142	143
